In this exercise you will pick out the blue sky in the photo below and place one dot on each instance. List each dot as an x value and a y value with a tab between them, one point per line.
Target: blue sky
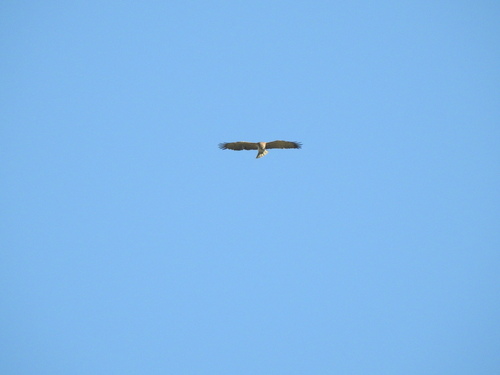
132	245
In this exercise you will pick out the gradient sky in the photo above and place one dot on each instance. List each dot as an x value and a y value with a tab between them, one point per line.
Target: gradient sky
130	244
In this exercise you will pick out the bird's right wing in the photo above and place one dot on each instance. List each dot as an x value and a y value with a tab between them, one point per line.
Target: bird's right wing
238	146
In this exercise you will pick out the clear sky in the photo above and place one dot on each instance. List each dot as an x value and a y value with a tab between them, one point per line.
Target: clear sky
131	244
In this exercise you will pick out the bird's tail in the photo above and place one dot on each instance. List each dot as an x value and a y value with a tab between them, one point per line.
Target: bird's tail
261	154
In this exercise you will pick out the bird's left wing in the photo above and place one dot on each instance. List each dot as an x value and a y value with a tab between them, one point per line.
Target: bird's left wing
283	144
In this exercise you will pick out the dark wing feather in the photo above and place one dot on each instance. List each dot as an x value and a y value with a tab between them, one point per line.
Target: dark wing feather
238	146
283	144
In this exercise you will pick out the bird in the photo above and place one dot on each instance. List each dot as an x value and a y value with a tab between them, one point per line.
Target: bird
262	147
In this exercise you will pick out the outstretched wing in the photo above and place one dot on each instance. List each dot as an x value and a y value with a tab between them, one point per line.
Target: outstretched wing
238	146
283	144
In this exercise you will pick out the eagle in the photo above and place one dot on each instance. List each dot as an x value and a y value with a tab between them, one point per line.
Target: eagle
262	147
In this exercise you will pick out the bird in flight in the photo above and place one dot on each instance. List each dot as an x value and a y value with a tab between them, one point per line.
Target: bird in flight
262	147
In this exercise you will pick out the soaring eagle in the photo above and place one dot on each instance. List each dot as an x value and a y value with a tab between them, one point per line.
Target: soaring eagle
261	146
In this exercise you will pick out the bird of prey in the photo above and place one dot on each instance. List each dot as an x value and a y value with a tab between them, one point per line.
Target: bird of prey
262	147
